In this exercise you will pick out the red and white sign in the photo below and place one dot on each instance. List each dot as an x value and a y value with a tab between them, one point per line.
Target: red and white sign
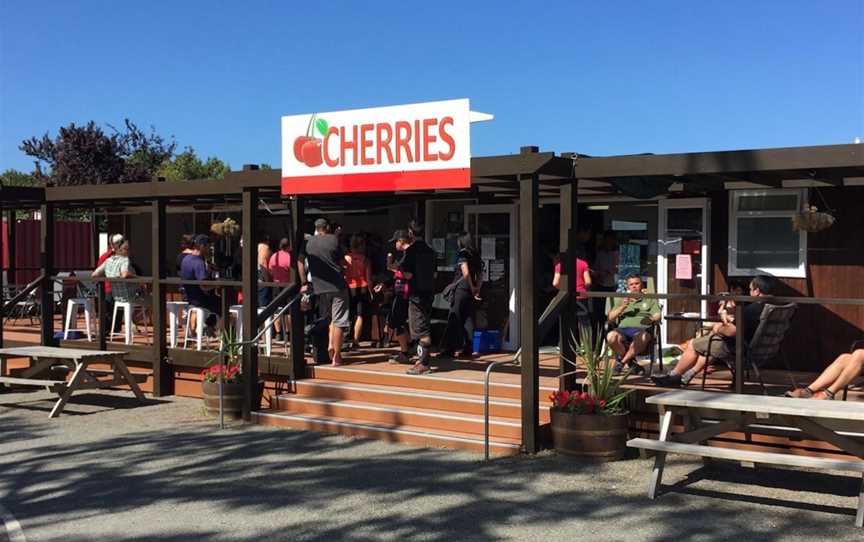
403	147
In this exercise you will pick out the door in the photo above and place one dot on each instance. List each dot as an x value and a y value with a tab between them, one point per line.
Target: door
682	261
493	228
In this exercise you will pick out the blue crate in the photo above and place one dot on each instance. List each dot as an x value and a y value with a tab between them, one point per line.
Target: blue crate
487	342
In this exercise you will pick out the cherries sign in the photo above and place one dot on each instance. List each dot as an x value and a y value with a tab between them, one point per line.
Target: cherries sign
307	148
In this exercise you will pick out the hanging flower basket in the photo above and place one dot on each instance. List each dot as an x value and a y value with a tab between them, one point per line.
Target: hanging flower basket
226	228
812	220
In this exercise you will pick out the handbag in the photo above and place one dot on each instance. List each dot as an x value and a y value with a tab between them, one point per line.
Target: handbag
449	292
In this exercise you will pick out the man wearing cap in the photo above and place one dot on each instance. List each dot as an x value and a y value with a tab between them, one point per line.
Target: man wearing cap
325	259
418	268
193	267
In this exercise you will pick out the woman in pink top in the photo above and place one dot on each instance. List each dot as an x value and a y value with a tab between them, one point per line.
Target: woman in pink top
280	271
583	284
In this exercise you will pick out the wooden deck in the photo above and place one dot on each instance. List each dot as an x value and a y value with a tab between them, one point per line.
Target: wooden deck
370	397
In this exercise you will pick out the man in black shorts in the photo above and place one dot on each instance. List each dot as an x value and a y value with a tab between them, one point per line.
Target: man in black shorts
325	258
418	268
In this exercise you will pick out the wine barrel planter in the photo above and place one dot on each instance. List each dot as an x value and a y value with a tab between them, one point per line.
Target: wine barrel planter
589	436
232	399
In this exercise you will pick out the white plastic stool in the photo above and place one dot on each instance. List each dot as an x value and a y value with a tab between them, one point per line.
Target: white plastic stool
175	313
72	315
200	317
128	311
237	311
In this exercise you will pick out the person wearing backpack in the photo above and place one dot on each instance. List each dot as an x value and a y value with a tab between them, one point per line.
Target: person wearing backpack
418	268
462	294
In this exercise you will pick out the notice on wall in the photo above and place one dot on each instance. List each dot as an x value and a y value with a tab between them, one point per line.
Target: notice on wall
496	270
487	248
683	267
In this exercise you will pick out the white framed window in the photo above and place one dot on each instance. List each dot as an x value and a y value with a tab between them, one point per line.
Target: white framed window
761	238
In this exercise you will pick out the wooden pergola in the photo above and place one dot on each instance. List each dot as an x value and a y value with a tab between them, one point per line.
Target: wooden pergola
522	178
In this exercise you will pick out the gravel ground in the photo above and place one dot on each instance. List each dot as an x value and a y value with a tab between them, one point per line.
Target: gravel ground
110	469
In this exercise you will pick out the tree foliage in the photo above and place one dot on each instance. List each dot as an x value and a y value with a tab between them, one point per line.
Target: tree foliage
87	155
13	177
187	165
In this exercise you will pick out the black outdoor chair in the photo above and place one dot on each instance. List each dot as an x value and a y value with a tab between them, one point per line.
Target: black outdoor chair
774	323
655	348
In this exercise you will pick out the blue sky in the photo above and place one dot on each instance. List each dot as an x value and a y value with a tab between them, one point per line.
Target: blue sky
597	78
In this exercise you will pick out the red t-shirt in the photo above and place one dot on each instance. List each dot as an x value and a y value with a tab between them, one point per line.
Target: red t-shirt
581	267
105	255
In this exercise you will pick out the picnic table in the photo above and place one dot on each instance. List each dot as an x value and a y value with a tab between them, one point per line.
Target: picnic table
79	362
708	414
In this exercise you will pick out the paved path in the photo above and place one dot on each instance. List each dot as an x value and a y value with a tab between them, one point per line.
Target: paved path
163	472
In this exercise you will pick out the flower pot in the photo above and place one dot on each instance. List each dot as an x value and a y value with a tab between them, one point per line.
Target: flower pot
590	436
232	399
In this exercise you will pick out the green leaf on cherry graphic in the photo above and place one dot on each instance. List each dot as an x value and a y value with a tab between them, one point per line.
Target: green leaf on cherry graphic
322	126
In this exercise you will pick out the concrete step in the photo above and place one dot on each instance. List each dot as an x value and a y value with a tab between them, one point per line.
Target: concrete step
390	433
392	415
410	397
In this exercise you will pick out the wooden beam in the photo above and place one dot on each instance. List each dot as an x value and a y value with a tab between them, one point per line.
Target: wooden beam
249	255
46	227
11	225
298	346
727	162
527	299
163	376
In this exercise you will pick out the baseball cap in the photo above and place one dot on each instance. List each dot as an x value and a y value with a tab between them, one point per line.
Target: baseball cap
201	240
399	235
321	223
117	240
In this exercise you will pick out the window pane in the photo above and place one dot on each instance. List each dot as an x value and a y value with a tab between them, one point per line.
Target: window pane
767	242
768	202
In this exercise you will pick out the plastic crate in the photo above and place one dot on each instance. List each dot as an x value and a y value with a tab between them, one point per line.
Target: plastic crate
487	342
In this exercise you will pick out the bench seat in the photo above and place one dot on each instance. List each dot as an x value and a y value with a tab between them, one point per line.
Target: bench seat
748	456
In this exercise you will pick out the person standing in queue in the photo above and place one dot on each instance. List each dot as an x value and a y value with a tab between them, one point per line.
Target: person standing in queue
418	268
463	293
325	259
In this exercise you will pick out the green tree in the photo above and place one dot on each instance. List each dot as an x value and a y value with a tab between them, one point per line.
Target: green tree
13	177
187	165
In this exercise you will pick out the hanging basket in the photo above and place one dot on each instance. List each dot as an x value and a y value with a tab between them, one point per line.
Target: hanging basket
812	220
226	228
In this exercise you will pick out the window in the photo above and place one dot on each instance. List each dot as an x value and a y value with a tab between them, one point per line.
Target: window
761	238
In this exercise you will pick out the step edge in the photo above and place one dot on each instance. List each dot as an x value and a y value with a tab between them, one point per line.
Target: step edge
427	377
397	409
384	389
426	434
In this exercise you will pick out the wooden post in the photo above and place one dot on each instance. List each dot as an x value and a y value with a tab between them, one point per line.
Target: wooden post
527	296
739	348
298	347
568	322
3	243
10	228
163	376
249	259
47	270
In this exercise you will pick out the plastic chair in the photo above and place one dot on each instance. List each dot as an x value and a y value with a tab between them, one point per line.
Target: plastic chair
72	306
175	314
128	309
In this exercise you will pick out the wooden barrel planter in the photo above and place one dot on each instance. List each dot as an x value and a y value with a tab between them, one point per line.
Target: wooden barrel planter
232	399
589	436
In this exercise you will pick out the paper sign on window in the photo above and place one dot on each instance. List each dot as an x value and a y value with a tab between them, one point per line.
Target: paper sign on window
683	267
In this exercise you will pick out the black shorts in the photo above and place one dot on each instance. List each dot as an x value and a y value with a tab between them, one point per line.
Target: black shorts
360	302
397	318
419	315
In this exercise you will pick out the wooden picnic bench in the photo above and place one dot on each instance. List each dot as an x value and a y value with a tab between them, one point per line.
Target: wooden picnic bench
707	415
79	362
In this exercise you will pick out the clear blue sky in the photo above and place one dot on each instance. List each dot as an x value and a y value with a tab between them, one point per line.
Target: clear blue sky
631	77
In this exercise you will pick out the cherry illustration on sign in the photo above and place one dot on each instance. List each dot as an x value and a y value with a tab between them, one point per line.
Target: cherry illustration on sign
307	148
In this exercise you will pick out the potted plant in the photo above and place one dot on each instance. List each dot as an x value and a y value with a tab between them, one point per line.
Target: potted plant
232	379
591	421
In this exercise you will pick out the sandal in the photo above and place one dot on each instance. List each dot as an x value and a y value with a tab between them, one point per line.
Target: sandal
825	395
800	393
419	369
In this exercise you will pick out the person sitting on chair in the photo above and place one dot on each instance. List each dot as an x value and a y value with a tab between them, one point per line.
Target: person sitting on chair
632	316
835	377
722	348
